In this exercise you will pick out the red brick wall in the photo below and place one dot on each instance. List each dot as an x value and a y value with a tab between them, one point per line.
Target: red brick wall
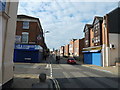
33	31
76	47
66	50
71	47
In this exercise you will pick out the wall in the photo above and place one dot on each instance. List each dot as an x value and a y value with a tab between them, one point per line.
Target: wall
77	47
91	37
113	39
66	50
71	48
8	37
33	30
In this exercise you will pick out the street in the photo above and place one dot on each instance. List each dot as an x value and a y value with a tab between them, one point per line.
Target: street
77	76
67	75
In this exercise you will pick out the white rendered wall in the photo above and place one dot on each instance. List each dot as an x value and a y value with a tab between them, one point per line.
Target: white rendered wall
8	37
113	39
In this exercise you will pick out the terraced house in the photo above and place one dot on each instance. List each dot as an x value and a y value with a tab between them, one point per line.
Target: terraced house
78	46
66	50
101	39
29	40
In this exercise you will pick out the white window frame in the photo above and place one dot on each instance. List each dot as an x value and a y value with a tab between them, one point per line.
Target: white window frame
27	37
25	24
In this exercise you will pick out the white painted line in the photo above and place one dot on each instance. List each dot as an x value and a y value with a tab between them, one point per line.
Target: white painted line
51	71
54	80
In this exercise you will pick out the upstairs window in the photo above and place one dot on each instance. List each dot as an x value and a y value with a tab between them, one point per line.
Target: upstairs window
26	25
2	5
25	37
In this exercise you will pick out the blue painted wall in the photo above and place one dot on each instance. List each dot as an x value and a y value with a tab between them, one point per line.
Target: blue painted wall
21	54
93	58
88	58
96	59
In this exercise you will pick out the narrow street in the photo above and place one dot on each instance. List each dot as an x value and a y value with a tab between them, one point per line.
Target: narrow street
67	75
77	76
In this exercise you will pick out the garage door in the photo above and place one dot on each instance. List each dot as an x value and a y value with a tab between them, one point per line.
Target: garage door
87	58
96	59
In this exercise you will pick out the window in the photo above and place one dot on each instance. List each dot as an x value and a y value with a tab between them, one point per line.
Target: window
2	5
26	25
17	39
25	37
98	38
92	40
86	42
96	31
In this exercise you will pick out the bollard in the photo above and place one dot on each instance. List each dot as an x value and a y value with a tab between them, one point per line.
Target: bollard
42	77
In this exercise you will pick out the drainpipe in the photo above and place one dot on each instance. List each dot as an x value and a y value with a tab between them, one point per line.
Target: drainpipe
106	44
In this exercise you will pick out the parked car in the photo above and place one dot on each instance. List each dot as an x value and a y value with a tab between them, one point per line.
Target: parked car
71	60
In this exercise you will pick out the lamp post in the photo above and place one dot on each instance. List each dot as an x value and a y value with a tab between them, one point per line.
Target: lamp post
45	32
45	50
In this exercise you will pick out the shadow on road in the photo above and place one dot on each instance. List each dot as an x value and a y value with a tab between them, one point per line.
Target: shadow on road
88	82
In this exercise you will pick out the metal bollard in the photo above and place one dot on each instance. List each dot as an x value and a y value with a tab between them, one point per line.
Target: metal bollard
42	77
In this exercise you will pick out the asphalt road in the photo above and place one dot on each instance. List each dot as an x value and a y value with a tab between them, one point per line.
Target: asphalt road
67	75
77	76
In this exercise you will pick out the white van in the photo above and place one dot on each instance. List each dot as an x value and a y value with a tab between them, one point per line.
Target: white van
8	15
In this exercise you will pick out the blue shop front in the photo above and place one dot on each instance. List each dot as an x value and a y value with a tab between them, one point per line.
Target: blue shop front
93	56
28	53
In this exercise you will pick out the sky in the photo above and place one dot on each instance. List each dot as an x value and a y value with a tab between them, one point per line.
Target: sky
64	20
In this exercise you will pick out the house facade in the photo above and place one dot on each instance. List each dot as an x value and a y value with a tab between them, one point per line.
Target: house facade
71	47
62	51
29	31
66	50
102	46
8	16
78	46
111	27
29	37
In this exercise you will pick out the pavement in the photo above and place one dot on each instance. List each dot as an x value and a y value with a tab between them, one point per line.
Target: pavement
26	76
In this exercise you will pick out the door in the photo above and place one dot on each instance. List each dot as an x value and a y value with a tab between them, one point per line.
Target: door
96	59
87	58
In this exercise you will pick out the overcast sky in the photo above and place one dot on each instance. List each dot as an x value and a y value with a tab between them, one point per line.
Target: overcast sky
64	20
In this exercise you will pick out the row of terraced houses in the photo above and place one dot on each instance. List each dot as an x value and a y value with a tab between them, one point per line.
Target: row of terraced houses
100	45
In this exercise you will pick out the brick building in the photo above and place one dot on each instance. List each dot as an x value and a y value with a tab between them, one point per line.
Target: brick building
101	40
71	47
111	34
66	50
29	40
87	32
29	31
78	46
62	51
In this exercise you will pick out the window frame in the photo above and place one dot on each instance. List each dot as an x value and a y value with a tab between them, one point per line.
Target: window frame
26	25
27	38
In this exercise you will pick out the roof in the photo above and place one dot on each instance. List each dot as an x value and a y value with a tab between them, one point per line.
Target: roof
30	17
88	25
26	16
97	17
114	21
